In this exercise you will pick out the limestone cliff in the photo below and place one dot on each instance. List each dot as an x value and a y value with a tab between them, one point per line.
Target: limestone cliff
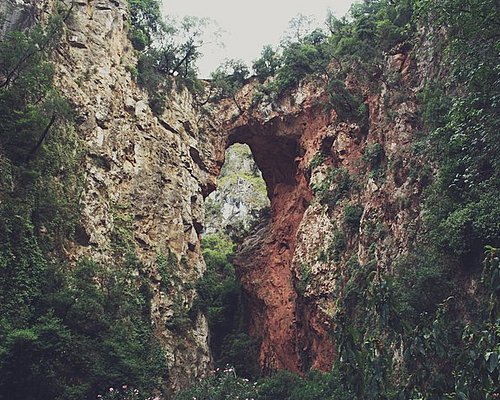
145	173
344	193
150	170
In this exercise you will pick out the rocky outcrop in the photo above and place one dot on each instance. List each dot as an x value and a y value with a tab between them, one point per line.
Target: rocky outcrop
17	15
150	171
144	176
290	269
241	197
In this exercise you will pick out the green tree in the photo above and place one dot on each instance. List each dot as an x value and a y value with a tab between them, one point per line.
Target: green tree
228	79
268	63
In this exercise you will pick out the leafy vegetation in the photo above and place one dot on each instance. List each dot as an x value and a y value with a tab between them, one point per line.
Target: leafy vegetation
66	332
349	47
167	51
334	187
228	79
466	216
220	298
352	216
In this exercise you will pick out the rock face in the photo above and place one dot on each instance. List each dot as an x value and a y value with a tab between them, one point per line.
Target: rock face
148	170
319	230
241	196
17	15
154	173
142	173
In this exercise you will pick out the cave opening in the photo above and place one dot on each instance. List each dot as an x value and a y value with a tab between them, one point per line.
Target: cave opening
238	206
249	289
241	199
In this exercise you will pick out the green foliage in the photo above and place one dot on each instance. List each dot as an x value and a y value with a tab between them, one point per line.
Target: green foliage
242	352
353	46
318	159
125	393
349	107
89	330
279	386
222	384
300	59
268	63
337	245
229	78
352	216
166	266
65	333
334	187
303	279
146	22
421	283
29	105
219	296
461	207
373	155
168	51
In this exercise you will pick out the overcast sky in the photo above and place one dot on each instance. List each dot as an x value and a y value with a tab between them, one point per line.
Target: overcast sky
248	26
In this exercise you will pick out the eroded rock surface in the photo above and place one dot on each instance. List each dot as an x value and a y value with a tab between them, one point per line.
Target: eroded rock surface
289	269
144	175
155	171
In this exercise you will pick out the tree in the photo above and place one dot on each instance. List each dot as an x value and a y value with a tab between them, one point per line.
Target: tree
267	64
298	28
229	78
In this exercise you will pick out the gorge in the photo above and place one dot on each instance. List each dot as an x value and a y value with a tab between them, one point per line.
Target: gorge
376	264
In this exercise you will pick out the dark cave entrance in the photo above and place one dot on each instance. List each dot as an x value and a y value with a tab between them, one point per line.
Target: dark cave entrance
248	291
232	212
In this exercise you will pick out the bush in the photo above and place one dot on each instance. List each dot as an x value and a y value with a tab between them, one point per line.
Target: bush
337	246
267	65
336	186
316	161
352	216
168	51
279	386
421	283
222	384
373	155
242	352
229	78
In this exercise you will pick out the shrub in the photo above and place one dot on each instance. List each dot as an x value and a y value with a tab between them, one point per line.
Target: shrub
229	78
222	384
373	155
267	65
279	386
316	161
336	186
219	296
421	284
242	352
337	245
352	216
348	106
